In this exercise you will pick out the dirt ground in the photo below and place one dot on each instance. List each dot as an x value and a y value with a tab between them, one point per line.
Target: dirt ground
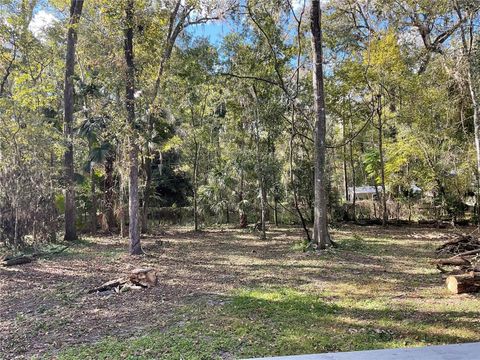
44	305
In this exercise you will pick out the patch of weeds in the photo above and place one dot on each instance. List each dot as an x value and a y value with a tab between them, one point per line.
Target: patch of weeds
192	338
274	321
300	245
112	254
355	243
20	317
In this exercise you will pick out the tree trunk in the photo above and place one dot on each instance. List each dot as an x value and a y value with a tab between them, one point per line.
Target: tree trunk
352	165
292	180
93	197
109	194
195	187
147	193
275	210
68	95
476	126
382	161
321	237
133	202
263	205
344	159
241	213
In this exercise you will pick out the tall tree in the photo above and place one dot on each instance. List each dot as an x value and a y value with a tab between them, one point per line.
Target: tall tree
70	211
321	237
133	202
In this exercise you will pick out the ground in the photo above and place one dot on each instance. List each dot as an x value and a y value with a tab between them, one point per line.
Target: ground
226	294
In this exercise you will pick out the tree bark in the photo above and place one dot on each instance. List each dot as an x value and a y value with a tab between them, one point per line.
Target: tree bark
93	198
109	194
352	165
195	186
344	159
147	192
382	162
133	201
260	170
321	237
241	213
68	95
292	180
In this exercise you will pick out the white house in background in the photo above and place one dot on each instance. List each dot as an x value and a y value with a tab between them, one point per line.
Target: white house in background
362	193
369	192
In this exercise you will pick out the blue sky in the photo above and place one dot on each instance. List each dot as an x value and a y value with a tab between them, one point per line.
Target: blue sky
214	31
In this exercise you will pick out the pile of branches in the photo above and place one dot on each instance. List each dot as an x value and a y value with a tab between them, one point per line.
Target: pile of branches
137	279
461	269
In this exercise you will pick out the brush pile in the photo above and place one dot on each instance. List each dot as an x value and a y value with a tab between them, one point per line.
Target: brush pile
136	280
463	262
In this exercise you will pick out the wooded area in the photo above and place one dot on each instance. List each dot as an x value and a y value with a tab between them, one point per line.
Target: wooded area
239	126
126	119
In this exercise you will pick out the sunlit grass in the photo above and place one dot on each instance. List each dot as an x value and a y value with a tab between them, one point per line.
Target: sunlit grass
369	293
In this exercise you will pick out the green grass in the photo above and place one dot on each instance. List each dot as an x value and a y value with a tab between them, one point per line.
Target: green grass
262	322
375	290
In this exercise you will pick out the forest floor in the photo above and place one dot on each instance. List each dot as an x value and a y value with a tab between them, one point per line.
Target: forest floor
225	294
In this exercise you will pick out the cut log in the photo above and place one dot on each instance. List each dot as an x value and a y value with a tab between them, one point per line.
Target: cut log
453	261
143	277
465	283
17	260
109	285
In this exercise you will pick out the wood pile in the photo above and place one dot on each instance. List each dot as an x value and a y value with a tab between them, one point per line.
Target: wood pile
463	262
136	280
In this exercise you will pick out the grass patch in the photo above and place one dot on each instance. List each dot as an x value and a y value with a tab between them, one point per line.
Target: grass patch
355	243
376	290
266	322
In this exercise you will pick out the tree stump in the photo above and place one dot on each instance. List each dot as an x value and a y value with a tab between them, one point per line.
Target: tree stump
143	277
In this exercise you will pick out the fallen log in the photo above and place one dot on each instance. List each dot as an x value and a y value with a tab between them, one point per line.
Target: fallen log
464	283
17	260
12	260
109	285
453	261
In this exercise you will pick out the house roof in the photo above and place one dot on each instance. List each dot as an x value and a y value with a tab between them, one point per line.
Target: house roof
363	189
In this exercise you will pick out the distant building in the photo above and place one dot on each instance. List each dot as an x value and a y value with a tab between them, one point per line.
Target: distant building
370	193
362	193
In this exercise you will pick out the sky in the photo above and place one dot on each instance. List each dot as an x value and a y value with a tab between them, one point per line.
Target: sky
214	31
41	21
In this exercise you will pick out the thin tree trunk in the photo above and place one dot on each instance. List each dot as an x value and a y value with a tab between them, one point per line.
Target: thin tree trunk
344	159
352	165
68	95
109	193
476	126
382	162
133	201
147	193
321	237
241	213
195	187
468	41
292	181
275	210
93	200
263	205
261	178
